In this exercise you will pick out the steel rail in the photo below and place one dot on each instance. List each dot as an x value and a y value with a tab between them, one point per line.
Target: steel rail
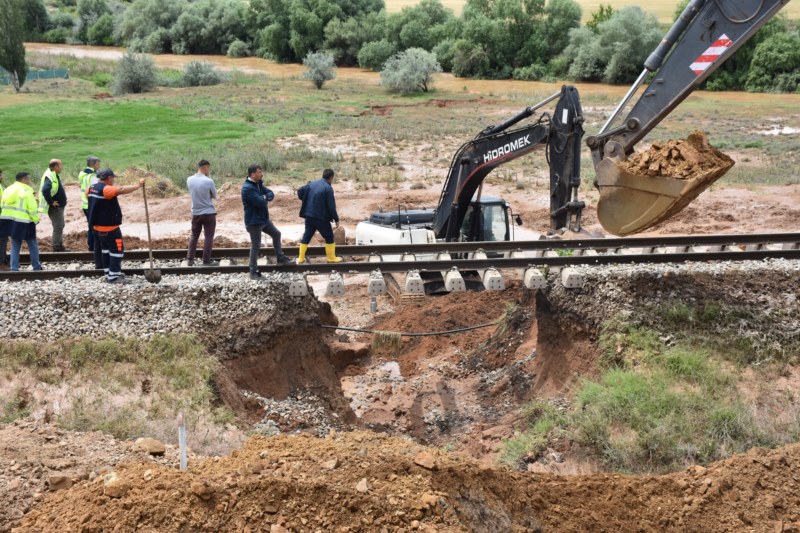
457	247
436	266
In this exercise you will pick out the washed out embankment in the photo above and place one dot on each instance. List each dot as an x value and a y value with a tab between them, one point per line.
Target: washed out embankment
269	342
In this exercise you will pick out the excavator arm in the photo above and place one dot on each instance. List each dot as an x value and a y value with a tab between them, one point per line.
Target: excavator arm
560	134
704	36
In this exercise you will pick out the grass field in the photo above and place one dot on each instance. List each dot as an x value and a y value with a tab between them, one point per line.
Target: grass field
663	10
375	138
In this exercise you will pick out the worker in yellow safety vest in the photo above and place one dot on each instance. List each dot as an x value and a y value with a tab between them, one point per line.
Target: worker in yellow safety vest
53	200
87	178
18	219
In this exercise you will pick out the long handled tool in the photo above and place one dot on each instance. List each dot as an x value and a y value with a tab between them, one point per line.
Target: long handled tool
151	275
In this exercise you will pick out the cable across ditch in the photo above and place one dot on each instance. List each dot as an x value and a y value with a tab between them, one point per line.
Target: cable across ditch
426	334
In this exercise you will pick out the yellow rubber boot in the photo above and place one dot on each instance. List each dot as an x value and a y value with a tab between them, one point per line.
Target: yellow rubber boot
301	258
330	252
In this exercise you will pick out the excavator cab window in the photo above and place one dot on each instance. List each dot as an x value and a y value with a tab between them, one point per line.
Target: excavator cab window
486	222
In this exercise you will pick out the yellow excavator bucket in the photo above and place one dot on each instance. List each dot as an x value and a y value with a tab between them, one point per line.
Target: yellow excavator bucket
650	187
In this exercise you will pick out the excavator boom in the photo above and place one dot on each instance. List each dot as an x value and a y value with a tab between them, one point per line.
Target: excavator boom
704	36
561	135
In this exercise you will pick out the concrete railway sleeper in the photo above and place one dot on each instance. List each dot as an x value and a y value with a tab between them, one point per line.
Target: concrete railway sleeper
492	264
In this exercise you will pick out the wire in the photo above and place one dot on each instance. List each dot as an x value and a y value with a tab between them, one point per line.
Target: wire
742	21
429	334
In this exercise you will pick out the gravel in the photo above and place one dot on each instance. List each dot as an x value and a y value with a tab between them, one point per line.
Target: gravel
83	306
766	290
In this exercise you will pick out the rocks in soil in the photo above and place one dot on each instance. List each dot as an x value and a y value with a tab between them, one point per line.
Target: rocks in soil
682	159
150	445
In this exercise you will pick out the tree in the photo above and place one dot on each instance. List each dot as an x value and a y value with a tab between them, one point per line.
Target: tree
12	35
319	68
136	73
89	12
604	13
36	20
102	31
776	65
410	71
373	55
209	27
146	17
345	38
616	53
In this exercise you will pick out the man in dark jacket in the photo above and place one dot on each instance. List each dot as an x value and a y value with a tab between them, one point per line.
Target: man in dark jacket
105	217
319	210
255	197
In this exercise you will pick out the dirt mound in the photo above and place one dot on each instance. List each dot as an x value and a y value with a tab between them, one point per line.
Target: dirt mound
76	242
370	482
682	159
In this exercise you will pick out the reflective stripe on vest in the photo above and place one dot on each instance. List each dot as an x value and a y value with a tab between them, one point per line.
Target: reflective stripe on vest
85	179
54	179
19	204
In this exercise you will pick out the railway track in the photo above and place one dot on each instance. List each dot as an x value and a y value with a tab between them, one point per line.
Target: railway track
509	255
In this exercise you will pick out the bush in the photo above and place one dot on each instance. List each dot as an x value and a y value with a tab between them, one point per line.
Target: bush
410	71
238	49
198	73
102	31
776	65
57	36
319	68
616	52
136	73
373	55
530	73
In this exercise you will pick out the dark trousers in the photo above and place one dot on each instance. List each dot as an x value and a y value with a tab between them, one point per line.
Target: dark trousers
90	233
255	232
112	250
3	250
317	224
93	244
207	223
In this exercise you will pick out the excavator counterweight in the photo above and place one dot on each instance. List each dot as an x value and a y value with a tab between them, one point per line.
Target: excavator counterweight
633	197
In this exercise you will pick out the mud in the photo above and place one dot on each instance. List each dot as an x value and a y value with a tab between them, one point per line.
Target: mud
371	482
682	159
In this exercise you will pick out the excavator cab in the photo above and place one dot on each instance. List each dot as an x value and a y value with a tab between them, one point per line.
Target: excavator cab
486	220
637	191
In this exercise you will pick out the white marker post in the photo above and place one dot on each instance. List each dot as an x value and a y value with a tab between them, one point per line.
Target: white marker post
182	440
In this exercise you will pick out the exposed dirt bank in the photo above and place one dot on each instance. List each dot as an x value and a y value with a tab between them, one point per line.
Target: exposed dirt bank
370	482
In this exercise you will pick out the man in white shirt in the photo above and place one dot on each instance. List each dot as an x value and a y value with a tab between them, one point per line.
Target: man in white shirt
204	214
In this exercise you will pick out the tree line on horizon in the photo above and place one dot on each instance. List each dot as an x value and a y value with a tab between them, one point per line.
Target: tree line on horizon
491	39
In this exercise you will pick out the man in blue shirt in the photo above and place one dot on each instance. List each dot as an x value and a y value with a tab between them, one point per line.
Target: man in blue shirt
255	197
319	210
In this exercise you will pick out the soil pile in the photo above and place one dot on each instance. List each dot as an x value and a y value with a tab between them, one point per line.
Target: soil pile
37	458
682	159
370	482
76	242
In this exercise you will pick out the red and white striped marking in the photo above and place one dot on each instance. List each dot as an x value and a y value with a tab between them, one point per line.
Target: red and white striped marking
711	54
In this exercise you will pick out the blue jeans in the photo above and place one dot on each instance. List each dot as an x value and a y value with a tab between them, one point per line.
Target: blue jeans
33	251
317	224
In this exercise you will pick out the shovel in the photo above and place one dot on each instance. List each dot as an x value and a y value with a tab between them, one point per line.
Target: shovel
151	275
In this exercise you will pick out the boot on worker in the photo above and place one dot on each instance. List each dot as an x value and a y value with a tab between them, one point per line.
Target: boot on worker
319	210
330	253
301	255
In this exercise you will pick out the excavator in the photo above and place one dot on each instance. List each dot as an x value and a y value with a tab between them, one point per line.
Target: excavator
463	213
705	34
